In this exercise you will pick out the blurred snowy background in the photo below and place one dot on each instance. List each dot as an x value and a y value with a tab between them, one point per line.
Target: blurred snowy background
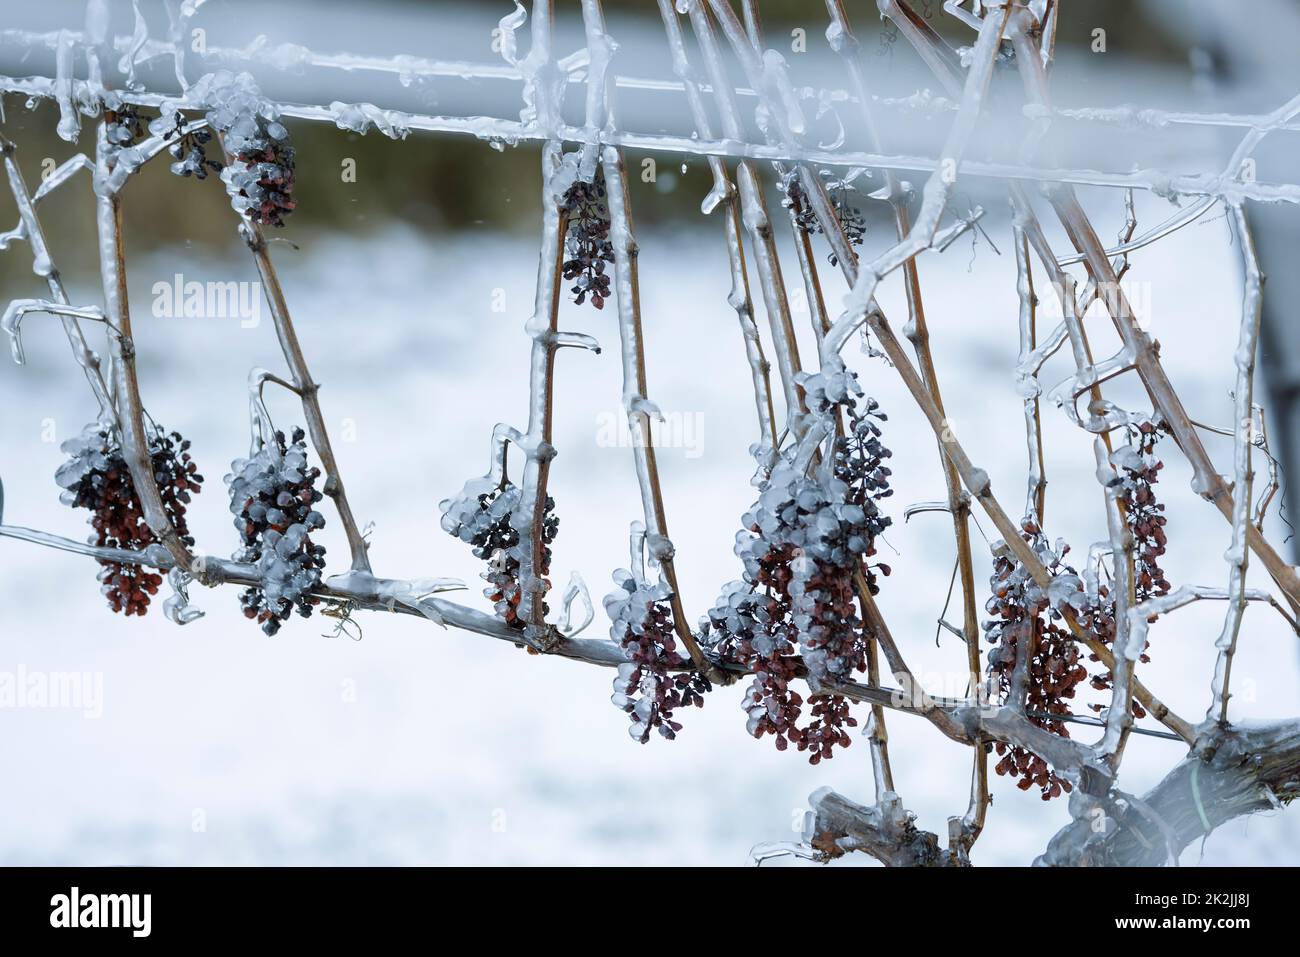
218	745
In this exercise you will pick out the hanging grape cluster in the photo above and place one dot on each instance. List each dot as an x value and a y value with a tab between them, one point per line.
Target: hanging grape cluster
190	151
1026	620
260	177
123	125
96	478
1138	469
485	517
587	244
804	542
754	627
840	192
272	496
645	686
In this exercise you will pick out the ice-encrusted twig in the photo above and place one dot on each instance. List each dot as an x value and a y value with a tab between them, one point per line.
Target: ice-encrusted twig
724	194
925	232
130	408
307	390
18	309
636	404
1243	472
542	328
44	267
1036	491
754	214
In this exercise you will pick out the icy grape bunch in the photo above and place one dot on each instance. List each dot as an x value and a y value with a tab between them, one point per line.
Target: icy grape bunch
272	495
754	627
645	687
587	244
486	517
1138	469
804	542
1026	622
260	177
96	478
190	152
123	125
840	192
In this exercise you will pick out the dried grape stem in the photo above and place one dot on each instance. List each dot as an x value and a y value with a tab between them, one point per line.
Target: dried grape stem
636	404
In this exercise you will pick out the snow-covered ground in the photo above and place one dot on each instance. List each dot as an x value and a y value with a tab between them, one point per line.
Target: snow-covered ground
218	745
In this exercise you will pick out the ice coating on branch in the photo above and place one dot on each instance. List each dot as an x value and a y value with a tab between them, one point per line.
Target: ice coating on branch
363	117
177	607
506	28
139	37
776	75
69	127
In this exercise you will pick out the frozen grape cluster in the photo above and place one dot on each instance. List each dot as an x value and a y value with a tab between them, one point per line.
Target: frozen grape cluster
260	177
486	516
811	532
123	125
841	194
754	627
96	477
587	244
645	686
1027	621
1138	469
272	496
190	151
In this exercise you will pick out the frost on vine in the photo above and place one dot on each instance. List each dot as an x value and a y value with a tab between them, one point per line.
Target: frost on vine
95	477
486	516
273	498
